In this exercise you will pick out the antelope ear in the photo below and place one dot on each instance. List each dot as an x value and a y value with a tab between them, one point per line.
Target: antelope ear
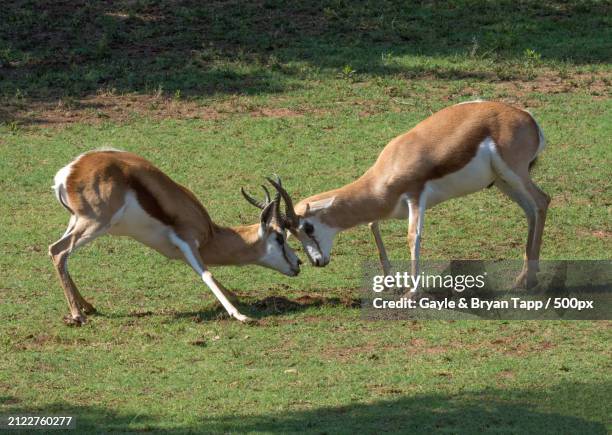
320	204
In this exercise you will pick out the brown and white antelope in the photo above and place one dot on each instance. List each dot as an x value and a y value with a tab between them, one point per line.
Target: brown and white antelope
456	151
120	193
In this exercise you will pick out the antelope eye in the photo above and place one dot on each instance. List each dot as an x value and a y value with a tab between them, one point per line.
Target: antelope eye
280	239
308	228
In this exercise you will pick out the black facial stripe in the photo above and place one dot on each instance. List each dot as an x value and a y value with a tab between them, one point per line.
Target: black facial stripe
283	250
316	242
285	255
308	229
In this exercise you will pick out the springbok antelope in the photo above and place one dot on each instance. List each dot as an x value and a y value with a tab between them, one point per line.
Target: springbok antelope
120	193
456	151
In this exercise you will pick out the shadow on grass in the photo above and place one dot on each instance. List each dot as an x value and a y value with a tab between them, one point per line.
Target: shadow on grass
51	50
488	411
270	306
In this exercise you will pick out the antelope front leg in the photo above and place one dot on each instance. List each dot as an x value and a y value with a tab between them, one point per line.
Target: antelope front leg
233	311
193	259
382	253
230	295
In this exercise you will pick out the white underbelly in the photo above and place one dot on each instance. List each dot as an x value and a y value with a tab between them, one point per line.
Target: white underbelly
474	176
133	221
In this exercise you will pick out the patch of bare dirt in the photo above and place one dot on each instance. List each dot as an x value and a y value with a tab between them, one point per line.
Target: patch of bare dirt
109	106
199	343
275	113
105	107
41	341
516	346
421	346
550	82
384	390
141	313
506	374
372	350
601	234
280	304
276	321
276	304
349	353
519	92
9	400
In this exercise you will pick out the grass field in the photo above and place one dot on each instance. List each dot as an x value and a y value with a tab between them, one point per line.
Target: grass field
220	94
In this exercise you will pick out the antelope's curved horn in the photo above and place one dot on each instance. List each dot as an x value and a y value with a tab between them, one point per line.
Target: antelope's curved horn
267	193
260	205
290	216
278	215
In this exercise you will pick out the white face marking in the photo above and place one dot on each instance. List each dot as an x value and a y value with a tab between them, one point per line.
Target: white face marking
279	256
318	244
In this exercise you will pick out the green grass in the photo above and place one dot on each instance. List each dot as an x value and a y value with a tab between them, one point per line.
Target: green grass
234	92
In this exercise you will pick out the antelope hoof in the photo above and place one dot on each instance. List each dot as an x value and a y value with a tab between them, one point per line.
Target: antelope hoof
74	321
244	319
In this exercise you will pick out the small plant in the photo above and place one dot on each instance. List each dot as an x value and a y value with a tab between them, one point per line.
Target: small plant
531	59
347	73
532	56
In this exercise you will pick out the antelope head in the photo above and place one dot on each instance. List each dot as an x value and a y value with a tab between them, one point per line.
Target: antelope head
277	254
316	237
